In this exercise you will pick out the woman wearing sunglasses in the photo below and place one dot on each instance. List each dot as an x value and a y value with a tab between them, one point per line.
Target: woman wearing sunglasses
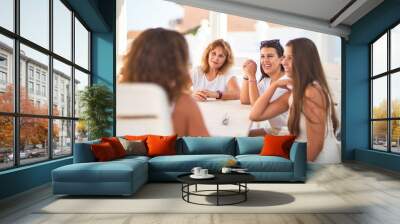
271	53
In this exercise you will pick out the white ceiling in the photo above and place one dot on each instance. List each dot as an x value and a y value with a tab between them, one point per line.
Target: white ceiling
320	9
316	15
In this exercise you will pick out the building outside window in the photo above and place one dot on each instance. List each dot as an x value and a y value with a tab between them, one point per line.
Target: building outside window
30	87
30	72
43	90
3	71
43	77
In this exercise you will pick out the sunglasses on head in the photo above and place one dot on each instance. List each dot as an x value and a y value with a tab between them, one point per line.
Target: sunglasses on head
269	42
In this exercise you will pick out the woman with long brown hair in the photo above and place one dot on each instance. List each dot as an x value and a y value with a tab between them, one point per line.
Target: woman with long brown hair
161	56
312	116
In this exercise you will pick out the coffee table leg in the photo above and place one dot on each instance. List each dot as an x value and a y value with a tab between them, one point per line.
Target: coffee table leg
245	191
217	194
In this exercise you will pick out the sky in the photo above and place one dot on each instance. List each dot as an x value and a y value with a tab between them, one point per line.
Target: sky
35	27
139	18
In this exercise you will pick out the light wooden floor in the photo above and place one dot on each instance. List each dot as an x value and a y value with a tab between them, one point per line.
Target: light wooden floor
378	188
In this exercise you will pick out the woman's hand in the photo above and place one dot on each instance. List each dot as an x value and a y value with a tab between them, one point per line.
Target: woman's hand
210	94
284	84
250	69
200	95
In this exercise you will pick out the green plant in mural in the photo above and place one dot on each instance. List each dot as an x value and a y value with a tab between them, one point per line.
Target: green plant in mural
97	103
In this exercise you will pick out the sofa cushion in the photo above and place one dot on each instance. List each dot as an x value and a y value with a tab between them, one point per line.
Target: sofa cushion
112	171
249	145
116	145
134	147
161	145
103	152
185	163
206	145
83	152
277	145
257	163
136	137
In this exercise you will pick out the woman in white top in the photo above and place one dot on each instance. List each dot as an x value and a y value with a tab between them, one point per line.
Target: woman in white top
312	116
271	53
213	78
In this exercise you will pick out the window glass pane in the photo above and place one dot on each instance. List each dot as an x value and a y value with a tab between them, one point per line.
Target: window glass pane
379	98
81	81
62	89
395	47
395	94
62	138
6	142
35	21
81	131
7	14
379	135
33	139
395	138
62	29
34	97
6	74
81	45
379	55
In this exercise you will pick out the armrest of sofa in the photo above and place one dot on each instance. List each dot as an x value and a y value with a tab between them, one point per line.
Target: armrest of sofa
83	152
298	155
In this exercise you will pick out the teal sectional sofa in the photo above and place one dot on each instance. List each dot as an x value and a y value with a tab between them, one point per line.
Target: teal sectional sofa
125	176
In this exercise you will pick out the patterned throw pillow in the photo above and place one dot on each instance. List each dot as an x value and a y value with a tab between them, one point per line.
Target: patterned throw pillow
134	147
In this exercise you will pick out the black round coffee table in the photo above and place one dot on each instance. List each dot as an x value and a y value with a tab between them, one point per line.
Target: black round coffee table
238	179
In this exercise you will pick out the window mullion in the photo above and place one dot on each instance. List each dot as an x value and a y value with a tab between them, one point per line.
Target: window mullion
389	106
73	82
50	81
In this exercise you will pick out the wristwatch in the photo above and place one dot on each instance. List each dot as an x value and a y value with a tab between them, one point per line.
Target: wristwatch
219	94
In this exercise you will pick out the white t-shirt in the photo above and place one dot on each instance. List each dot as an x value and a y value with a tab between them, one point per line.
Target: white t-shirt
200	81
279	122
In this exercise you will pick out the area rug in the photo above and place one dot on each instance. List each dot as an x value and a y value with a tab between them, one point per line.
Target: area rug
167	198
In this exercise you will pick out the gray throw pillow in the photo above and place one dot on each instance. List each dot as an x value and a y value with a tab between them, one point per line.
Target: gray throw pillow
134	147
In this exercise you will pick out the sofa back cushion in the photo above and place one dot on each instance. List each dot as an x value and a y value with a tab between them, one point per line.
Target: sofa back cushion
206	145
249	145
83	152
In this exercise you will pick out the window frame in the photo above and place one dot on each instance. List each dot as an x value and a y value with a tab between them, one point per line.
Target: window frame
16	115
388	74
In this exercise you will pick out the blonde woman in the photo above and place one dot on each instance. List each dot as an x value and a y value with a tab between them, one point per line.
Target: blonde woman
161	56
213	79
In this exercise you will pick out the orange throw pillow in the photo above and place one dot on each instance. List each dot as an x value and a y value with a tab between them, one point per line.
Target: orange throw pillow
161	145
116	145
103	152
136	137
277	145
